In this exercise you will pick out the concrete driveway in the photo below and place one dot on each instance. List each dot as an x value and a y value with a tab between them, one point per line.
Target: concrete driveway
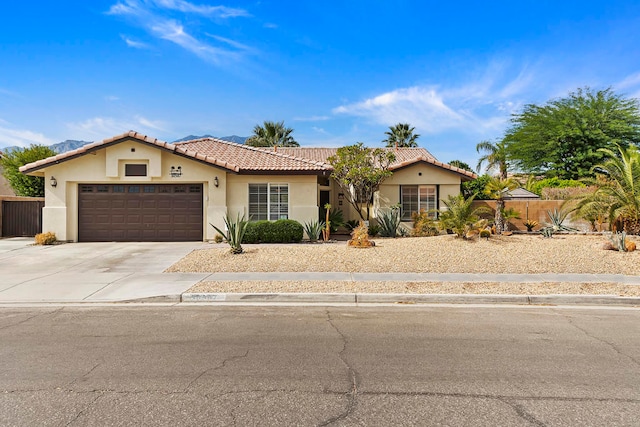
92	272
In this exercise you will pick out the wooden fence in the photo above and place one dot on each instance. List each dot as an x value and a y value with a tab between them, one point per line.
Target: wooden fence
20	216
535	210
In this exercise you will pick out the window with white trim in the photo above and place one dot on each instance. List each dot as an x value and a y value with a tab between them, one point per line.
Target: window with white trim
268	201
416	197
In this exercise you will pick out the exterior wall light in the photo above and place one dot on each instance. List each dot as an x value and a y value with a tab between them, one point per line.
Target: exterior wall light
53	181
216	182
176	172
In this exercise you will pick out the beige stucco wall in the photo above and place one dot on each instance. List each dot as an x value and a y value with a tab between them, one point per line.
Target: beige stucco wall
303	201
106	166
418	174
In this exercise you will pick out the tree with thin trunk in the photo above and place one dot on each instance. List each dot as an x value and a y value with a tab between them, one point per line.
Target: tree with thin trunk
495	156
359	171
401	135
272	134
497	189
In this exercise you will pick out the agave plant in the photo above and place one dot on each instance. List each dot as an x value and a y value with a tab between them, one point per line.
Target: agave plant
235	232
389	222
556	220
314	229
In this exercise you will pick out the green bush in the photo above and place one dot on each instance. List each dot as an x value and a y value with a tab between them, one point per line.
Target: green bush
280	231
554	182
476	187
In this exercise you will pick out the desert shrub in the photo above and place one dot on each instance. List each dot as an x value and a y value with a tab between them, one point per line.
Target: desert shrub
218	238
351	224
374	230
48	238
280	231
423	224
554	182
476	187
255	229
336	219
566	193
530	224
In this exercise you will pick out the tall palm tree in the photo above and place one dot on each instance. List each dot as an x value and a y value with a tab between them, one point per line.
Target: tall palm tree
497	189
401	135
495	154
272	134
623	189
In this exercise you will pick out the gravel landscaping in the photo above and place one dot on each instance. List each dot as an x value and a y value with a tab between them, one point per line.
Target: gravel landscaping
441	254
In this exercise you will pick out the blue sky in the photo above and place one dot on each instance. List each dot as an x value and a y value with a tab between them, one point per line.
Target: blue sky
338	72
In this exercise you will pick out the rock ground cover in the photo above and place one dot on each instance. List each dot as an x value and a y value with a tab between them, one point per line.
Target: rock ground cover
440	254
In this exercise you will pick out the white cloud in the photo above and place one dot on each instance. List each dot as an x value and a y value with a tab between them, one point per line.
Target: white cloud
20	137
206	10
174	32
111	98
104	127
631	81
311	119
479	106
134	43
157	18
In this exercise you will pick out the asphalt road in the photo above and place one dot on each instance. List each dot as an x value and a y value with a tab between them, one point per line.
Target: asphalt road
319	366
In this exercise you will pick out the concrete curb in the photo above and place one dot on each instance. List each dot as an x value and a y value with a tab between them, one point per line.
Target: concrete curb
249	298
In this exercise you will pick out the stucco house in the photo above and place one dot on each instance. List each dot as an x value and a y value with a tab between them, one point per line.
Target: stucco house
132	187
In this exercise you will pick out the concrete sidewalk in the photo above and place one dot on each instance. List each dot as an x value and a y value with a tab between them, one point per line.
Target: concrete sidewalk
120	272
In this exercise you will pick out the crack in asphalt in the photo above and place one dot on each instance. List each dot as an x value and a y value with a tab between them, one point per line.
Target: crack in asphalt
352	395
603	341
32	317
214	368
82	411
522	413
84	375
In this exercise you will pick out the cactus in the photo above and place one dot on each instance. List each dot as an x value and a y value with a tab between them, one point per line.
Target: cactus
618	240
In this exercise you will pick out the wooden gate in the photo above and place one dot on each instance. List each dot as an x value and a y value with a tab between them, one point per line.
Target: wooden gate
21	218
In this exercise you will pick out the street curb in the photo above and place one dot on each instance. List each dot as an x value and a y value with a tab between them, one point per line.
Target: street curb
409	299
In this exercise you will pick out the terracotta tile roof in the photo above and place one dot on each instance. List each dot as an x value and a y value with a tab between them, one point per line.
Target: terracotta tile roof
241	158
404	157
247	158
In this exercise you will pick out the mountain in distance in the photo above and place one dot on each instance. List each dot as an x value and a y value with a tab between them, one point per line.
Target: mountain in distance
68	145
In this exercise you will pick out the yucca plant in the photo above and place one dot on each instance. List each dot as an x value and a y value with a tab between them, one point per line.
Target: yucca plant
235	232
314	229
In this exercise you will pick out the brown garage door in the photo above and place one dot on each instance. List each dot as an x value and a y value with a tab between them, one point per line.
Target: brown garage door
139	213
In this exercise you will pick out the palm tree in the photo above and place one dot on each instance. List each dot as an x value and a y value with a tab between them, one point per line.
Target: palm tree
460	216
623	189
272	134
497	189
401	135
495	155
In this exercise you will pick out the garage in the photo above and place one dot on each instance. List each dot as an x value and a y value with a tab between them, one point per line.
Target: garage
140	212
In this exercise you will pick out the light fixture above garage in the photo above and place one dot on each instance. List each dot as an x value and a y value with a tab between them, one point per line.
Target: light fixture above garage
176	172
216	182
53	181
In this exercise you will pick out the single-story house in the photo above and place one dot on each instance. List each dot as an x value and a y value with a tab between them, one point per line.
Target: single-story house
132	187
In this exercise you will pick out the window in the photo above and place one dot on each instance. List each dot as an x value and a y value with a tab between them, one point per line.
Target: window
268	201
135	170
149	189
416	197
134	189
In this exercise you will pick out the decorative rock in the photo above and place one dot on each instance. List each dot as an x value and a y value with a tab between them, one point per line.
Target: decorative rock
631	246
